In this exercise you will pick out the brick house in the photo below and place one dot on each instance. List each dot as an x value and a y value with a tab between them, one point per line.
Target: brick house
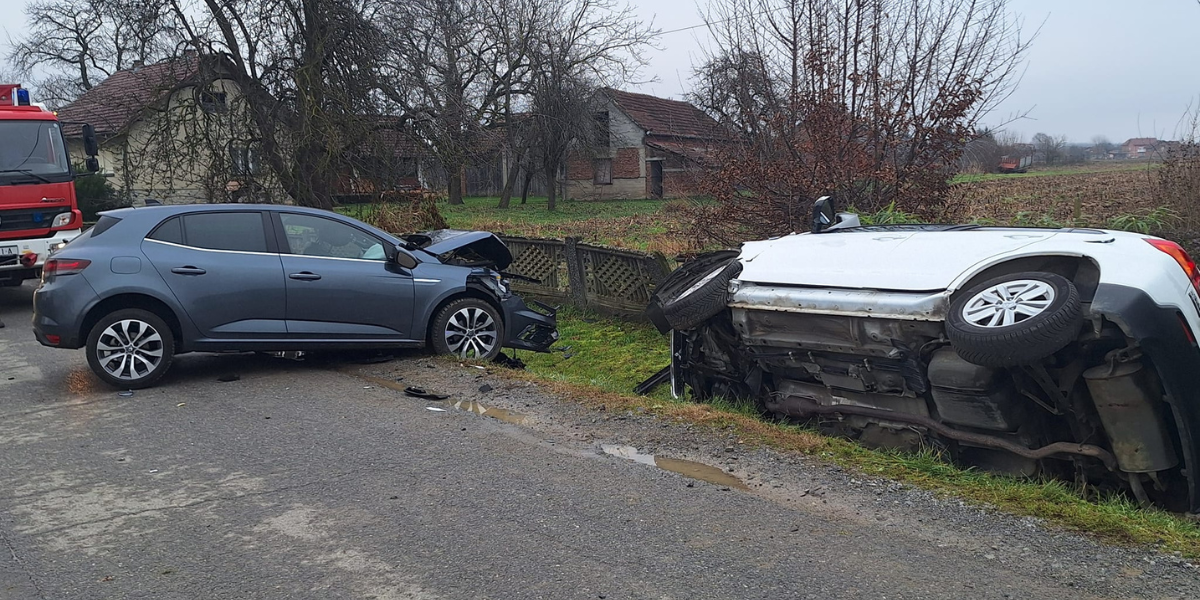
656	148
1135	148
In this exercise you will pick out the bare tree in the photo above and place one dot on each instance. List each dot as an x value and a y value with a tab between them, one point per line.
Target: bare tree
869	99
305	71
582	46
1052	148
78	43
447	66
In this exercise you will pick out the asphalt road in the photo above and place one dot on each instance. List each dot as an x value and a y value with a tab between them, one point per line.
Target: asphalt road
304	481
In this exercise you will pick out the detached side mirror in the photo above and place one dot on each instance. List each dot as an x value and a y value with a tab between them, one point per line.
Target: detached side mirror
404	259
92	164
824	214
91	147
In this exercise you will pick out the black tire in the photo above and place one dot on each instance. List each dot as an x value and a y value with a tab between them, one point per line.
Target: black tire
138	353
468	343
1025	341
694	292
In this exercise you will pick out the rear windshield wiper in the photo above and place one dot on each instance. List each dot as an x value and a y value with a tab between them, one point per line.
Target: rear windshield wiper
27	172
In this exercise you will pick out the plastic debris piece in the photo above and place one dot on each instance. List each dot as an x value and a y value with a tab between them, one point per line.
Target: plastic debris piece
435	409
125	394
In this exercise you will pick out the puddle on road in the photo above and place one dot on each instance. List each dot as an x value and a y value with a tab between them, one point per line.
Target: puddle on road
687	468
500	414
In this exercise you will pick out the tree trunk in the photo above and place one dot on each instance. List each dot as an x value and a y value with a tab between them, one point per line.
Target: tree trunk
551	188
525	188
514	169
454	184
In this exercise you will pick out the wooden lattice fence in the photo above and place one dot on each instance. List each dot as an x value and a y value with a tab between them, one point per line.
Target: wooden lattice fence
609	280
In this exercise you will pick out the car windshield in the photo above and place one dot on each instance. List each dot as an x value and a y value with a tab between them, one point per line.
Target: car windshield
32	151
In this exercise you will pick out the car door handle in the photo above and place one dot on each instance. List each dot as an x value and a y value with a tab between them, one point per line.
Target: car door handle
188	270
304	276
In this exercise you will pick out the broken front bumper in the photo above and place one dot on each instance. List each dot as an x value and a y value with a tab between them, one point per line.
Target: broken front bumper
529	329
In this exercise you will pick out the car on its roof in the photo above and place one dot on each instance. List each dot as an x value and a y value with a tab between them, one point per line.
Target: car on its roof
1065	352
146	284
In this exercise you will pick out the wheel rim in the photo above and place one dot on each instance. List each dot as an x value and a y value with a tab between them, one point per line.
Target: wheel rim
129	349
471	333
1009	303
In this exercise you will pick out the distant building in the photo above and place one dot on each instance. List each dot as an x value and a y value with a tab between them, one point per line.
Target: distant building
175	131
655	148
1139	148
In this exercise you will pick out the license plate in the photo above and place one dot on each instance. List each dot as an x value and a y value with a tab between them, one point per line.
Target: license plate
8	250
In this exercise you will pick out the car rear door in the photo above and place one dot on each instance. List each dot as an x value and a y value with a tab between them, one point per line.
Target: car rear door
224	269
340	285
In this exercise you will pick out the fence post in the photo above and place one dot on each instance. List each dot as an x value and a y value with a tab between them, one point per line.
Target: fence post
657	268
576	280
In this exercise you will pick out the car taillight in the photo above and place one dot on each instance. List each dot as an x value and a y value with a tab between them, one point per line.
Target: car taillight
62	266
1181	256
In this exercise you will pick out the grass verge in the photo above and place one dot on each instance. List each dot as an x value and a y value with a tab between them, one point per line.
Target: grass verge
609	357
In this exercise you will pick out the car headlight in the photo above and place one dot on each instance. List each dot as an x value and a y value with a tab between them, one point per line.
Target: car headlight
62	219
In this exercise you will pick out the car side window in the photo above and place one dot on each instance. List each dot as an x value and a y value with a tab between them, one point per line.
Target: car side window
310	235
238	231
170	230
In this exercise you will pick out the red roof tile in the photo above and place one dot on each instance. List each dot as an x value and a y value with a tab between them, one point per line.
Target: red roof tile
114	103
663	117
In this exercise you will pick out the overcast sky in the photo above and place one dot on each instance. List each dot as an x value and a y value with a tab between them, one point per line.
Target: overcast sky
1120	68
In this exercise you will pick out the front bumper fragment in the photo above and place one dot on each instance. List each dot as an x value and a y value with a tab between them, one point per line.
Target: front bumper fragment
529	329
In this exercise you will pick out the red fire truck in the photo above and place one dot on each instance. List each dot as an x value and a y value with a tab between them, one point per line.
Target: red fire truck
38	210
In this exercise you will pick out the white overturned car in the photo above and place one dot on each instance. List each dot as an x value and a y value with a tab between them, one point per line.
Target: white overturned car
1069	352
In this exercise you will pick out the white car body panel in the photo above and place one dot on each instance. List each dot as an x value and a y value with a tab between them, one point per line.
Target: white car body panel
943	261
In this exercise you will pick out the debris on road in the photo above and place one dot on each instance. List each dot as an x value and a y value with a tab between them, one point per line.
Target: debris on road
435	409
417	392
226	378
125	394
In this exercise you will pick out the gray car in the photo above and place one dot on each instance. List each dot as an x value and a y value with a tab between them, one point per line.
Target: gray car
145	284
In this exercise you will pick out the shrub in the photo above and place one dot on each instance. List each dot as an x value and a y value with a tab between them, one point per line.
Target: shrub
407	214
95	195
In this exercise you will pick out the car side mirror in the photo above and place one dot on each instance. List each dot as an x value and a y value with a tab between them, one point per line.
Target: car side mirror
404	259
824	214
92	164
91	147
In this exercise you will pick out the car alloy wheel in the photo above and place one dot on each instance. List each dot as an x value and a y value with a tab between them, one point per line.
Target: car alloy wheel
1008	303
129	350
471	333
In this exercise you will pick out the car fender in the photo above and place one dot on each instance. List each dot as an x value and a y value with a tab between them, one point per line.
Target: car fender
188	328
1123	259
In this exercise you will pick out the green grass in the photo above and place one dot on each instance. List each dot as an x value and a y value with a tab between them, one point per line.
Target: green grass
609	357
608	354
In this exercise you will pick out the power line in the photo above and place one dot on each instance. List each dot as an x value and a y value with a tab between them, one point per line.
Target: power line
726	20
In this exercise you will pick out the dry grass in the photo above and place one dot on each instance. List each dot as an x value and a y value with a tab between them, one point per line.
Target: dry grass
1077	198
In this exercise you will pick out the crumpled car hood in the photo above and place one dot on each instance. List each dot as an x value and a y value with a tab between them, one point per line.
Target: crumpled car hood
467	248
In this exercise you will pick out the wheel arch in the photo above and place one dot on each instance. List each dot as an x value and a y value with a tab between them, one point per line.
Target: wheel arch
1081	270
133	300
469	292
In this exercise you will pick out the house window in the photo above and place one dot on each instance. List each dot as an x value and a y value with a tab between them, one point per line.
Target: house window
244	159
603	133
602	171
406	167
212	101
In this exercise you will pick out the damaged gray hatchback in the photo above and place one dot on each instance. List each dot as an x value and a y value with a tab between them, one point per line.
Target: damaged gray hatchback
146	284
1063	352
